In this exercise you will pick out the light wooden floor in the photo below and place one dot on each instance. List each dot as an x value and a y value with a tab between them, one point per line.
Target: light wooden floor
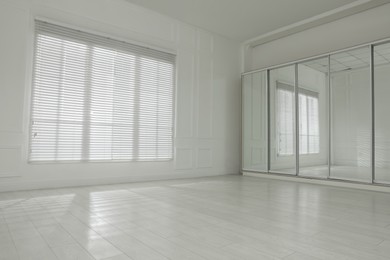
230	217
348	173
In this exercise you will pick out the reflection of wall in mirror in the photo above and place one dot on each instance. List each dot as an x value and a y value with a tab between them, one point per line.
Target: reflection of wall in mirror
351	117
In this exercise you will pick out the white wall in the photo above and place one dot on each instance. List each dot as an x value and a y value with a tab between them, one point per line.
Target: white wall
354	30
254	121
208	105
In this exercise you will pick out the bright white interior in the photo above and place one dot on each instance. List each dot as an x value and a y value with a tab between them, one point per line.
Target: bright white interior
207	97
180	209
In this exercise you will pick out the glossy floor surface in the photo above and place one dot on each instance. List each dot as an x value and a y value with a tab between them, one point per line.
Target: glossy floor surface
229	217
348	173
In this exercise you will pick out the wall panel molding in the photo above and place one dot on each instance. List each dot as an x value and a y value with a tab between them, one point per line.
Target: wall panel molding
184	158
185	94
205	158
10	158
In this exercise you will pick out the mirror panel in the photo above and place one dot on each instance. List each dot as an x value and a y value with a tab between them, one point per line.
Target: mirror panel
382	109
334	117
313	118
351	121
282	120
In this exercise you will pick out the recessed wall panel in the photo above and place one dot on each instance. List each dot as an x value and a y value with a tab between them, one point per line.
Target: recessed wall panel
184	159
13	29
205	91
185	94
9	161
205	158
254	116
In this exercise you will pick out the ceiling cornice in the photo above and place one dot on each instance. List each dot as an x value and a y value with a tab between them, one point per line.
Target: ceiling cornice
333	15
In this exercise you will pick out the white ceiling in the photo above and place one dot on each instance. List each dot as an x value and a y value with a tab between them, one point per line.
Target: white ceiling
242	20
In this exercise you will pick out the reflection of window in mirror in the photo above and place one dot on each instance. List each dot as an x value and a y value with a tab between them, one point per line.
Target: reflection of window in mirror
309	129
309	134
285	119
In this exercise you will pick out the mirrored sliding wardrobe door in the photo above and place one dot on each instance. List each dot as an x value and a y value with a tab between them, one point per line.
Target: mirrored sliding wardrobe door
313	118
351	123
254	109
282	120
382	109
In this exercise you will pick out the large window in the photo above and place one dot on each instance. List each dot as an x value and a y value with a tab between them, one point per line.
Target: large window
96	98
308	118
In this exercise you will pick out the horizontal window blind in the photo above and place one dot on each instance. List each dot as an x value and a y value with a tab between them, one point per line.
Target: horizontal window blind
96	98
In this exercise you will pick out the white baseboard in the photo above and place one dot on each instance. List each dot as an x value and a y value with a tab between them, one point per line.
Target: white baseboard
334	183
64	183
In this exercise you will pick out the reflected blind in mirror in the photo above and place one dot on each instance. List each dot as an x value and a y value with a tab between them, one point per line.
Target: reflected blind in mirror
309	134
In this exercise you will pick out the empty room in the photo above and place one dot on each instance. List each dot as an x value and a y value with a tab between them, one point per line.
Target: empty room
194	129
